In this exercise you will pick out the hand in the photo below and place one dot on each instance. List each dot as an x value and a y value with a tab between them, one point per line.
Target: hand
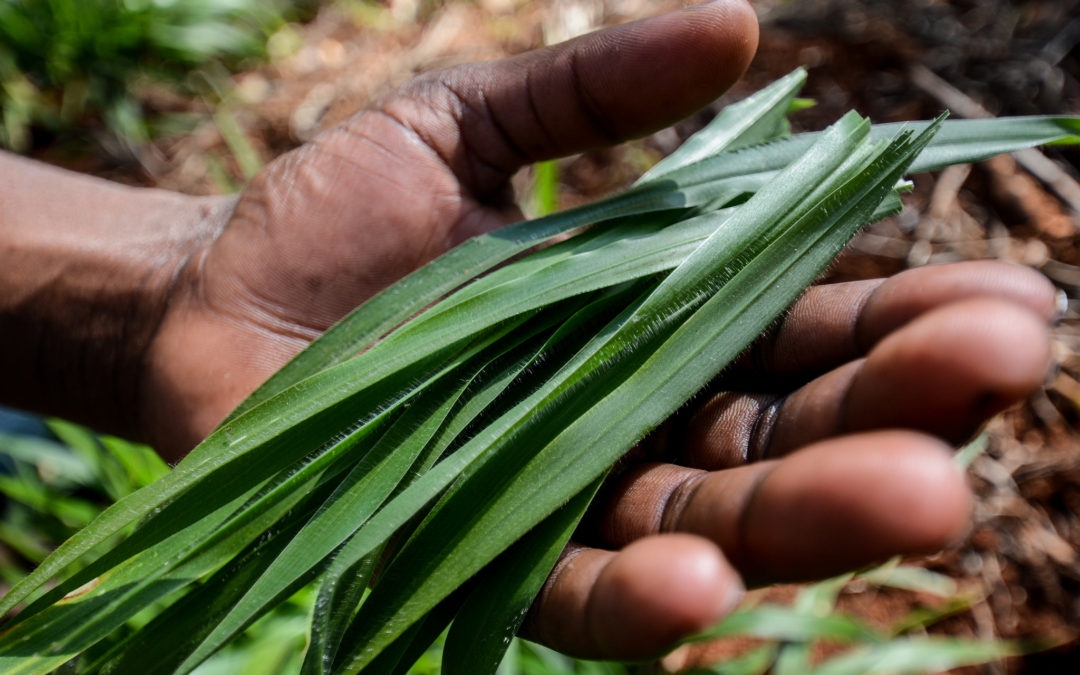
822	450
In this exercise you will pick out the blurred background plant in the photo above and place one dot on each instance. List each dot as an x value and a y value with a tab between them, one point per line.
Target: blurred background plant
51	486
78	67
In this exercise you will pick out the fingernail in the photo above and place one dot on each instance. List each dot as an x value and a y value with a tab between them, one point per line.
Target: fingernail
732	599
676	661
1052	373
680	658
1061	305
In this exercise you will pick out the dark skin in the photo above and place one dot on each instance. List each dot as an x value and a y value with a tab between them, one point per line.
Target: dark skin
153	314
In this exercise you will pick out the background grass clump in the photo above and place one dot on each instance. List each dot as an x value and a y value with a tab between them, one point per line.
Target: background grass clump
77	66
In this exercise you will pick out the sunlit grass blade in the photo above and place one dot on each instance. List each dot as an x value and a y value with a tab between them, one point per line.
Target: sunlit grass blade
920	617
793	659
545	188
820	599
911	578
757	118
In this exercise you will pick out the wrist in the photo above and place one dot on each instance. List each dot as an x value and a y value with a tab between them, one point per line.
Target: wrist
86	271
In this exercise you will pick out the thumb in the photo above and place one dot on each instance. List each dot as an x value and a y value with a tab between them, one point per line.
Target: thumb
486	120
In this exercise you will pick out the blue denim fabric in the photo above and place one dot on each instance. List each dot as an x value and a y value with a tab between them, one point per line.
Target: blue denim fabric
18	423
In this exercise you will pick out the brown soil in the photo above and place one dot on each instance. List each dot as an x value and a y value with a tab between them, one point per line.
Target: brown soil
891	61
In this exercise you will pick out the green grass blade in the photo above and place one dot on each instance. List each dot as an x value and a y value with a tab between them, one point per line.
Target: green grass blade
958	141
757	661
746	170
71	512
928	654
167	544
911	578
417	642
23	542
48	458
122	606
495	608
793	659
545	188
820	599
339	610
627	253
52	637
919	618
756	119
341	589
965	141
784	624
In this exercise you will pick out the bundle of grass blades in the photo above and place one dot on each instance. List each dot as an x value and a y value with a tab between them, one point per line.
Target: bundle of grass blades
480	427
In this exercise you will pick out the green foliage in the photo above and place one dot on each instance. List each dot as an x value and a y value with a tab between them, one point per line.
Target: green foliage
460	448
55	488
71	63
545	188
